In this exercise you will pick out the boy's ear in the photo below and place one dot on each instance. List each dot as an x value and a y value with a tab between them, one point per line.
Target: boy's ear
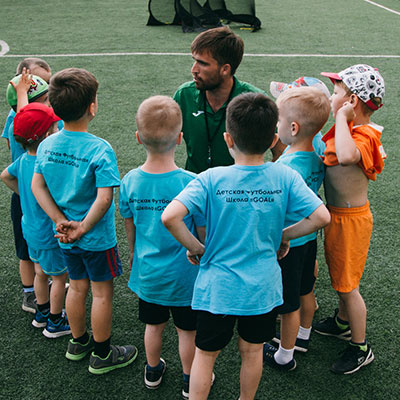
138	138
92	109
179	138
294	128
353	100
276	138
229	140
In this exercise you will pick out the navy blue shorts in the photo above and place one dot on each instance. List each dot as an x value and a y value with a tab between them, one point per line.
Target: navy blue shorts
154	314
297	275
214	331
97	266
21	247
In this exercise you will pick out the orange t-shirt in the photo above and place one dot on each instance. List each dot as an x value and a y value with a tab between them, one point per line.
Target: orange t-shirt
368	141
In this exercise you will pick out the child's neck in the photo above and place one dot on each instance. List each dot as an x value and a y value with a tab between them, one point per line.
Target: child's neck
249	159
32	152
81	125
361	119
159	163
301	145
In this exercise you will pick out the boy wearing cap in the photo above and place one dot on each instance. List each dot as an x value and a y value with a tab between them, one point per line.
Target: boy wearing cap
74	180
21	90
353	156
303	111
32	124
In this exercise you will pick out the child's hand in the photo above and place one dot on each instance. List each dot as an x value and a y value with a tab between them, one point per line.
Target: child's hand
69	231
347	111
195	257
24	83
283	249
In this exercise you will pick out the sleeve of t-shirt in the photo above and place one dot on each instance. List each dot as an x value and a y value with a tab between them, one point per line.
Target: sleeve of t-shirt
124	208
371	153
302	200
106	170
194	198
9	120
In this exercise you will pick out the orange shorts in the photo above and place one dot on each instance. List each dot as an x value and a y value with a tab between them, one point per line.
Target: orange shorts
346	245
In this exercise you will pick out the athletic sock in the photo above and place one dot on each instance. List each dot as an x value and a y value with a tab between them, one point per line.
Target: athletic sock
363	346
158	367
304	333
28	289
341	323
102	349
44	308
82	339
55	317
283	356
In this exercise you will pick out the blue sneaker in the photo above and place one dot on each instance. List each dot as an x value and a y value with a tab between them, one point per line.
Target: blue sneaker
269	352
61	328
40	320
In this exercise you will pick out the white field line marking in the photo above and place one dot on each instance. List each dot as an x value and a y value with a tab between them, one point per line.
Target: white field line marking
140	53
385	8
3	48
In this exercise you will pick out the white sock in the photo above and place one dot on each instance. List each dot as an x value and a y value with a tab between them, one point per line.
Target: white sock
304	333
283	356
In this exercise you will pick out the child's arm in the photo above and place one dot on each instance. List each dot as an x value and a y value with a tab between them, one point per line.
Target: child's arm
346	150
10	180
201	233
130	230
22	88
76	229
172	218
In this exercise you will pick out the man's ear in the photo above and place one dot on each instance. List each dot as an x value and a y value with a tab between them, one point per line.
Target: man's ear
226	69
229	140
138	138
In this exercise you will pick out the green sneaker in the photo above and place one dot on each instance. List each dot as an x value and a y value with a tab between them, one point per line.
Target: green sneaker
118	357
77	351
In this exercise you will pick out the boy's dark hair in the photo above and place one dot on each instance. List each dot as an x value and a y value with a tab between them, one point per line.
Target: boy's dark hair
224	46
251	120
71	92
29	145
31	61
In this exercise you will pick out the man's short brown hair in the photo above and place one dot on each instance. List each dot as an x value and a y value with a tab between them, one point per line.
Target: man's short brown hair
71	92
251	120
224	46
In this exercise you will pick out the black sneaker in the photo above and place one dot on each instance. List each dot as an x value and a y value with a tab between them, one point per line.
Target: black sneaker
153	379
77	351
118	357
185	388
329	327
301	344
29	302
269	359
352	359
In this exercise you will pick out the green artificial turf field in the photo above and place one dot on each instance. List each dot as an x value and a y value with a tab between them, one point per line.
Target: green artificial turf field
297	38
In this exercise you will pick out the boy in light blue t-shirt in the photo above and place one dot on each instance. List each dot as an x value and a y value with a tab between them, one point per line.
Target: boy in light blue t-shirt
303	111
32	124
74	180
245	206
161	275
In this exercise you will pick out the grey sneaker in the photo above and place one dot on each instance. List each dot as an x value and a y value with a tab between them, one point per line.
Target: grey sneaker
29	302
77	351
118	357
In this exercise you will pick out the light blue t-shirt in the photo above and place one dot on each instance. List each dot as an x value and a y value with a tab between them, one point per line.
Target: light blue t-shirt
311	168
74	165
245	209
318	144
16	148
37	227
161	273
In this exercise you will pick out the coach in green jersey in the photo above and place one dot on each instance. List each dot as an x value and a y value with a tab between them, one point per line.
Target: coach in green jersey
217	53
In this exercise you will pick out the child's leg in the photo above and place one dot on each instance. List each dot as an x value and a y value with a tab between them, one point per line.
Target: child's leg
354	310
101	314
201	373
26	272
290	323
153	343
75	305
307	310
187	349
57	293
41	285
251	368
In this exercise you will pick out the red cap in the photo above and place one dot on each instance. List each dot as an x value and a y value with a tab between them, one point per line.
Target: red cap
332	76
33	121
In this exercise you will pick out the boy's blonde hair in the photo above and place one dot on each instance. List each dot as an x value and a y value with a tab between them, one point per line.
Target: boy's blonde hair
307	106
159	122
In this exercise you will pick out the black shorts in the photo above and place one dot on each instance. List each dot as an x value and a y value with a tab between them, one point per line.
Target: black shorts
154	314
21	247
297	275
214	331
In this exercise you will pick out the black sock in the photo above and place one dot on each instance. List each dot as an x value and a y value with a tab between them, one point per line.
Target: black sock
82	339
55	317
341	321
44	308
102	349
